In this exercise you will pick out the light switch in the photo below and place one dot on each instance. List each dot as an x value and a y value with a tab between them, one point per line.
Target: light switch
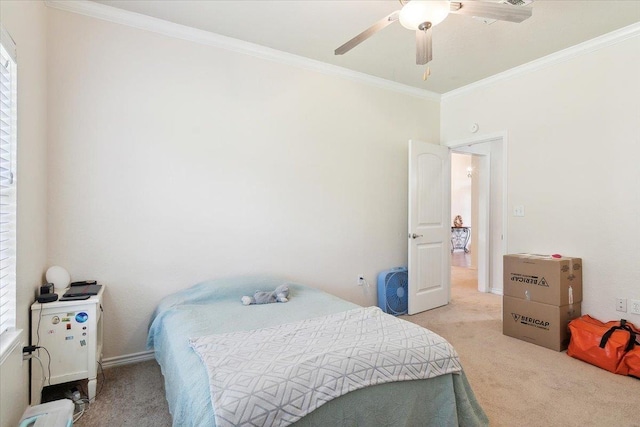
518	210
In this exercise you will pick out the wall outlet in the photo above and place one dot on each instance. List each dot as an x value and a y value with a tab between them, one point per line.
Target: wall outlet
621	305
360	280
635	306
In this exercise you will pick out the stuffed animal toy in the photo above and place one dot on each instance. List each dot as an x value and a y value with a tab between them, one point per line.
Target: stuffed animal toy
280	294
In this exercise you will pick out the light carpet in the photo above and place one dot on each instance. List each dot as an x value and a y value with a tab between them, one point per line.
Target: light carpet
519	383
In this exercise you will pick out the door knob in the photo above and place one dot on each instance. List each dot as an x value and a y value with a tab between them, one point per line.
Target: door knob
415	236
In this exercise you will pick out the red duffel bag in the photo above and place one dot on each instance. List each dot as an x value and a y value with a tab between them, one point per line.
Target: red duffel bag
603	344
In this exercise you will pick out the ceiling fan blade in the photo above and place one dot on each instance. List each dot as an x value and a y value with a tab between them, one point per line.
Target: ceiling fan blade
367	33
424	52
502	12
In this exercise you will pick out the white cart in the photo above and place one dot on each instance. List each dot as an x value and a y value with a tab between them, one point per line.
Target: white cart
72	333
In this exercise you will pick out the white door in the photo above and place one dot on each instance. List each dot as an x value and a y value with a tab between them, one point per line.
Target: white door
429	226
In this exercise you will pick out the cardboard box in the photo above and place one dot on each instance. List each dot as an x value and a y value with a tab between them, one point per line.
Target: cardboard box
542	324
541	278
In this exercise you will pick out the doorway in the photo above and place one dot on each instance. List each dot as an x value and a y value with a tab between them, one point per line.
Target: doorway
479	168
464	259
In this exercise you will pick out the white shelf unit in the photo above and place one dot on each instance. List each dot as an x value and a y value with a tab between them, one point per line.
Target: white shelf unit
72	332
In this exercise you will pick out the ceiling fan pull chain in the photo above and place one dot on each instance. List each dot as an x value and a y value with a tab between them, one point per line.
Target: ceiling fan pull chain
426	74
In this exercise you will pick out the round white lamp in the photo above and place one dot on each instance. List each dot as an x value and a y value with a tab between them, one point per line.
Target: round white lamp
59	277
418	12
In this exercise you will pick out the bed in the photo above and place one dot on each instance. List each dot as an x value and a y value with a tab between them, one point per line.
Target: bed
214	307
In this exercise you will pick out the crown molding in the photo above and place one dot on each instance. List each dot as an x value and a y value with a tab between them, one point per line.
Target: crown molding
580	49
155	25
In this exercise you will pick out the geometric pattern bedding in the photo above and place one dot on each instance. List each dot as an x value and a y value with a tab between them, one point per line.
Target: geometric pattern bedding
274	376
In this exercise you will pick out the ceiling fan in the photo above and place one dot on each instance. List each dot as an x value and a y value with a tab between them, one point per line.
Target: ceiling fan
421	16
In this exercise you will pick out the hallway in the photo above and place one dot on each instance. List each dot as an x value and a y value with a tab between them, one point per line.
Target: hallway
460	259
462	275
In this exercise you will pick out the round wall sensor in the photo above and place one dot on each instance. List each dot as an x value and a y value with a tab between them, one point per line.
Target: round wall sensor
474	128
59	277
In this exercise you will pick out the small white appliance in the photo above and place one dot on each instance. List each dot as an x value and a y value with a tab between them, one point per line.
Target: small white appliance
58	413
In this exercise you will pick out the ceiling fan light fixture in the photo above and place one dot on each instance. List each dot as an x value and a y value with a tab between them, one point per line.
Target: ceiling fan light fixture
418	12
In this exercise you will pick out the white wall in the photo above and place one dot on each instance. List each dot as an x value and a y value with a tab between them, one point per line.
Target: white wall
26	22
573	149
173	162
461	188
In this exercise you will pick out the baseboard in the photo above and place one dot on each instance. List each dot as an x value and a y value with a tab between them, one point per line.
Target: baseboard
496	291
127	359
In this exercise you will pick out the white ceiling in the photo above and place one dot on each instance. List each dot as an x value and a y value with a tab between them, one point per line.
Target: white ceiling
465	50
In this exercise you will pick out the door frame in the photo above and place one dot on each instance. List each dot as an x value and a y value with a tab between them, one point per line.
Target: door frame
485	259
481	224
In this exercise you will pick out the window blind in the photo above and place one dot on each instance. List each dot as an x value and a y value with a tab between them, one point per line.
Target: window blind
8	143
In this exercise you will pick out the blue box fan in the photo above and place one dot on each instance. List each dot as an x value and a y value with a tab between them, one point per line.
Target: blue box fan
393	294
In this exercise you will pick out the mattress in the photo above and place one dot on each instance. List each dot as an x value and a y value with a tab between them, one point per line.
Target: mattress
214	307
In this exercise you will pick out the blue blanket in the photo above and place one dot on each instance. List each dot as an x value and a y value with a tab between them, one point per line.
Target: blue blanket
214	307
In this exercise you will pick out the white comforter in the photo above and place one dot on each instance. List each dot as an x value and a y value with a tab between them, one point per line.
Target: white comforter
274	376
